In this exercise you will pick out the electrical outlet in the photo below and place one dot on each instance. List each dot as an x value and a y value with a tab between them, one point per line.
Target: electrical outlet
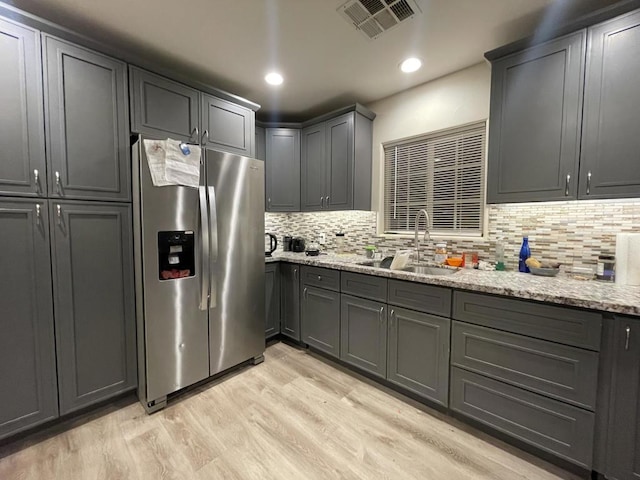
322	239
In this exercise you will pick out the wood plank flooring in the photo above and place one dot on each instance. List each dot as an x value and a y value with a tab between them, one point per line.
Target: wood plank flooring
293	417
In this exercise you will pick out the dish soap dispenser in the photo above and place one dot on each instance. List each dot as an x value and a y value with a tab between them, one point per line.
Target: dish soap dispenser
525	252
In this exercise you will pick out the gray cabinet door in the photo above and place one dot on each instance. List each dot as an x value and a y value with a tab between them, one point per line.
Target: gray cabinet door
290	300
28	391
162	108
313	168
21	114
282	170
418	353
261	144
623	458
227	126
339	163
534	134
272	300
610	142
320	319
363	334
87	123
94	301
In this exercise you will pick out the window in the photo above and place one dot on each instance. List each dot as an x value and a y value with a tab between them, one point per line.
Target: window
441	172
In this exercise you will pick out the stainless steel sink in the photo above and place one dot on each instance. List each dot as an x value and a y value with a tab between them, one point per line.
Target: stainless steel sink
428	270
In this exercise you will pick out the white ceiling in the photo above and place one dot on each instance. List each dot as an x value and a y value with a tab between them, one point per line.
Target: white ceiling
326	63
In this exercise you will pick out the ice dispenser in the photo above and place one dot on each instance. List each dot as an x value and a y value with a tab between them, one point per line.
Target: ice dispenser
176	255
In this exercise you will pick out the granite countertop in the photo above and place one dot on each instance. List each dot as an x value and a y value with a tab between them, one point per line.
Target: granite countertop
562	290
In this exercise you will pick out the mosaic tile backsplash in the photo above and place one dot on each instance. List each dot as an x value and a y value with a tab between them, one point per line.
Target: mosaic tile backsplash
573	233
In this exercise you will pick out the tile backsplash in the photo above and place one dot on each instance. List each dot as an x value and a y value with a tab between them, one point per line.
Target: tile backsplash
573	233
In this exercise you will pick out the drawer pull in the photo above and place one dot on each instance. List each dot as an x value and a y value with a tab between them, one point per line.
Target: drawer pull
319	278
626	340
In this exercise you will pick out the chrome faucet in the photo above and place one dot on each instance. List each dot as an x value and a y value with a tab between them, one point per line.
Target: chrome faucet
426	237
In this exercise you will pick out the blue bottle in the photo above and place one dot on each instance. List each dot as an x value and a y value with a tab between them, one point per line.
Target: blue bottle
525	253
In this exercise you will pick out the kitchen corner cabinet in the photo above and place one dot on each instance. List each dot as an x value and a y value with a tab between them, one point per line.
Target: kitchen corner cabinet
535	121
22	157
87	123
290	300
28	390
93	301
623	449
282	170
610	165
162	108
336	164
272	299
227	126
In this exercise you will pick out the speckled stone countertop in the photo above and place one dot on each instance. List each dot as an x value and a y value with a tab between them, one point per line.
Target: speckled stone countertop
563	290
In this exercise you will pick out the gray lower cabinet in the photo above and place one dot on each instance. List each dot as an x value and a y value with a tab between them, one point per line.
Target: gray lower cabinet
555	427
418	353
28	390
535	121
282	170
272	299
610	140
94	301
87	122
363	334
623	445
162	108
22	157
227	126
320	319
290	300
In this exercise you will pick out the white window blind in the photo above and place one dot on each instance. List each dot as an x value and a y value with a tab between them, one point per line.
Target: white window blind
444	174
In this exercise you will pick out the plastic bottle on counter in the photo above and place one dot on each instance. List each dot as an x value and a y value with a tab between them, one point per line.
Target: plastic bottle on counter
440	253
340	243
525	252
500	255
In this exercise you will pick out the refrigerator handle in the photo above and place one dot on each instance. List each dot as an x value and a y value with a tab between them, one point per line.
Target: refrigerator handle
204	254
213	229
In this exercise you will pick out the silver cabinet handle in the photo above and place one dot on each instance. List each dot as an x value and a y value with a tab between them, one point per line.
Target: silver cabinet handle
36	179
589	182
566	185
269	202
195	133
213	257
59	213
38	215
392	316
321	202
304	292
381	314
204	240
57	174
327	201
319	278
626	340
205	137
295	273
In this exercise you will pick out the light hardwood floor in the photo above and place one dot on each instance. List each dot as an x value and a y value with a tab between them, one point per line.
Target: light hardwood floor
293	417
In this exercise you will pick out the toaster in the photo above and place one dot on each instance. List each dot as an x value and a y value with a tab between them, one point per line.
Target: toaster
297	244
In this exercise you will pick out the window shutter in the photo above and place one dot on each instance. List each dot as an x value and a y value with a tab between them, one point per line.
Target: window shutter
442	173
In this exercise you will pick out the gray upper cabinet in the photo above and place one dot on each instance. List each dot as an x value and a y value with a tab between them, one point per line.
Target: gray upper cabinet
162	108
290	300
94	301
227	126
272	299
534	133
87	123
336	164
28	391
22	158
282	170
623	450
610	142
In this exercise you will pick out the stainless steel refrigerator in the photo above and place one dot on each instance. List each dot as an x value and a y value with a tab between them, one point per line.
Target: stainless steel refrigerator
199	273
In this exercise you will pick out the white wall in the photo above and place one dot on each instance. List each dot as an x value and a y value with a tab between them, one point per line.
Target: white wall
456	99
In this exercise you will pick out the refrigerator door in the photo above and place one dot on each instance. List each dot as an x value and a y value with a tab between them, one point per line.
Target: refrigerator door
236	204
175	307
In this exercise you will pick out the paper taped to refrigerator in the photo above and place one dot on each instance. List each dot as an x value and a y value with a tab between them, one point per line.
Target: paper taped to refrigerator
172	162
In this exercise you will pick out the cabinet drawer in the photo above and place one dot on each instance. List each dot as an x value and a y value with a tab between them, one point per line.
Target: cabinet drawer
425	298
566	373
558	428
321	277
557	324
366	286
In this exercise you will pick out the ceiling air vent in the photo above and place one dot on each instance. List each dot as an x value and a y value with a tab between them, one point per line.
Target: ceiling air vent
375	17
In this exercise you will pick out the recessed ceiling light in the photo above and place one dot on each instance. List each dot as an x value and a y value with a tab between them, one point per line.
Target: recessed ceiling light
273	78
411	65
